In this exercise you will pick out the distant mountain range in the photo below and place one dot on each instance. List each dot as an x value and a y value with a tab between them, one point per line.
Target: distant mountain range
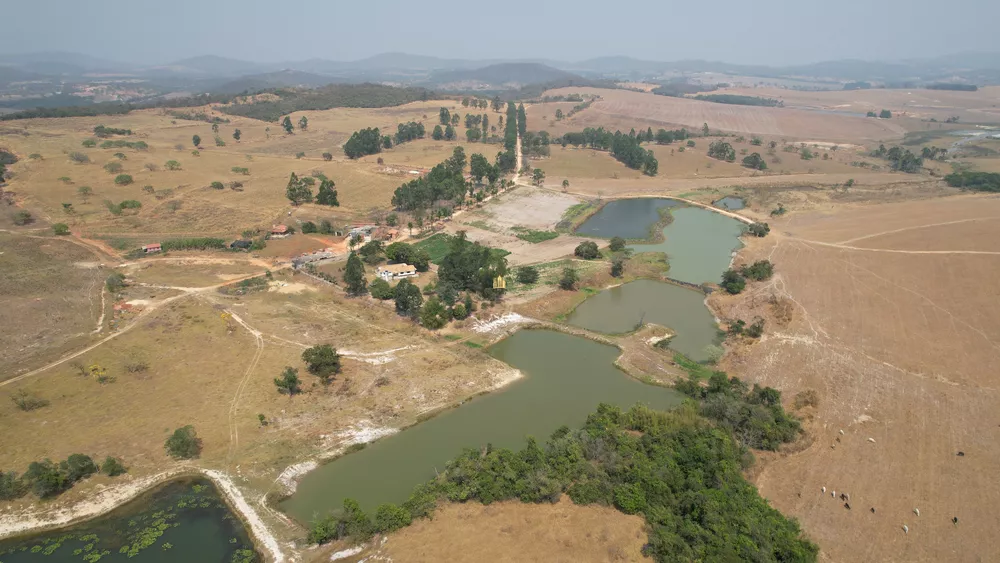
29	75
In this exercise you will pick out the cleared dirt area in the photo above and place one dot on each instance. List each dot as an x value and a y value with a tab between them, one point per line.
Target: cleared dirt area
902	345
520	532
981	106
623	109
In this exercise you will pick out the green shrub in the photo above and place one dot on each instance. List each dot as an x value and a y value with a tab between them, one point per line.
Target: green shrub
123	179
218	186
758	271
732	281
60	229
183	443
380	289
390	517
617	244
89	143
587	250
527	275
22	218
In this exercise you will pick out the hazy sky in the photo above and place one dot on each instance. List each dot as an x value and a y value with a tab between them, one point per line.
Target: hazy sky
738	31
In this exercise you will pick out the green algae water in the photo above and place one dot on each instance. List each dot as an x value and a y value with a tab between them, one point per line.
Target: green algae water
626	218
619	309
184	520
699	244
566	377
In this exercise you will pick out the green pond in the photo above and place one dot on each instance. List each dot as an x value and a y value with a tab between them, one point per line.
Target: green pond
730	202
619	309
626	218
699	244
566	377
184	520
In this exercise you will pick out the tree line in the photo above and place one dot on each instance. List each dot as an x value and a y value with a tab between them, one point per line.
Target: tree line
976	181
900	159
681	470
46	478
739	100
627	149
292	100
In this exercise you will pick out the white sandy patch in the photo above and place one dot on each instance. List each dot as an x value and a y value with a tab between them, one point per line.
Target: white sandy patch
289	478
285	287
250	516
496	323
345	553
139	302
375	358
504	377
364	432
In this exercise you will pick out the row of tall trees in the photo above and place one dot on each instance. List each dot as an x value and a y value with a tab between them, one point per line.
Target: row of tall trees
363	142
625	148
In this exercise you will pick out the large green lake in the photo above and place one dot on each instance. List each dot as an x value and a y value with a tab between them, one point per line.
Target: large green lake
566	377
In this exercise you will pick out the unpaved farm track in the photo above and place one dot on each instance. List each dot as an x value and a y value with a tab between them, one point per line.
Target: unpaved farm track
903	348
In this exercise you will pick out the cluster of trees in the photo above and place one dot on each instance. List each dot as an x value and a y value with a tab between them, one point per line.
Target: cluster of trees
976	181
753	330
363	142
536	144
676	469
475	103
471	266
900	159
446	134
445	181
665	137
102	131
753	416
507	160
184	443
405	132
47	479
290	100
323	361
761	230
735	281
884	114
722	150
739	100
627	149
755	161
933	153
117	108
193	243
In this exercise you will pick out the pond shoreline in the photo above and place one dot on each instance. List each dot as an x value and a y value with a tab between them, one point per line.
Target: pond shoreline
31	522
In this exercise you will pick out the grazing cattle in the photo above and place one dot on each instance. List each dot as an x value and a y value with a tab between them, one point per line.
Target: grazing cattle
873	510
916	511
847	505
954	520
906	529
961	454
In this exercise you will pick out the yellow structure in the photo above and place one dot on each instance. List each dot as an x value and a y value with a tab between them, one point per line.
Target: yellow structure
499	283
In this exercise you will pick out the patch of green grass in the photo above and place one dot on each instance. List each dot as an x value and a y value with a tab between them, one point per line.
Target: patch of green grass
480	224
453	337
575	215
692	367
436	246
472	344
533	236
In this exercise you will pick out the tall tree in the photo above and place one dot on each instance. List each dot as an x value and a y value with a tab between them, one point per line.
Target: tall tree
287	124
538	176
237	135
445	116
457	161
449	133
354	276
522	120
438	133
327	195
297	191
408	299
479	167
303	123
196	140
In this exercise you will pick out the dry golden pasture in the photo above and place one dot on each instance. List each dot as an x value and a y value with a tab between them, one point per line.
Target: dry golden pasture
982	106
508	532
51	291
623	109
181	202
894	324
197	371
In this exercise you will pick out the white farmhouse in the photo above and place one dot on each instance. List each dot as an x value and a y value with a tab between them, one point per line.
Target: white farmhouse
391	272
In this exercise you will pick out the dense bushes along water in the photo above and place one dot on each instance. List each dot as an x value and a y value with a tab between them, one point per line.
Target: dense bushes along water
678	469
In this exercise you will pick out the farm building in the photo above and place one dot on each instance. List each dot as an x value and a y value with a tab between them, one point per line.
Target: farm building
391	272
279	231
150	248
